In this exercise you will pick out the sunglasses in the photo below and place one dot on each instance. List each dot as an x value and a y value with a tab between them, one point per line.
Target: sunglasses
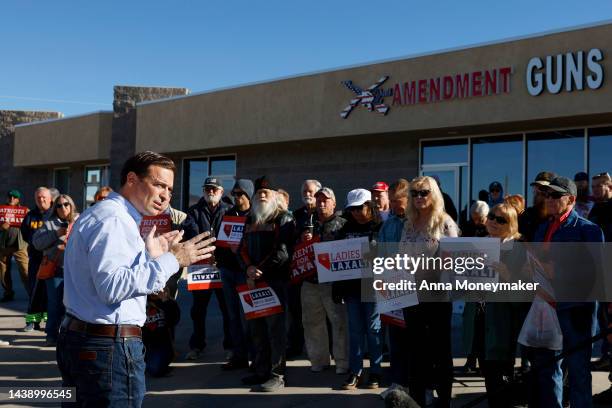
210	188
238	194
419	193
357	208
555	195
499	220
60	205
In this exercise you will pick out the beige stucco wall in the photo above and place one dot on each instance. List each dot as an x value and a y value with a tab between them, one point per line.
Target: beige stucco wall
308	107
79	139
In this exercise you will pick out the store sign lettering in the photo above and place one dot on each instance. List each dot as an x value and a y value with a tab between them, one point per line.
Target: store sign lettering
569	72
494	81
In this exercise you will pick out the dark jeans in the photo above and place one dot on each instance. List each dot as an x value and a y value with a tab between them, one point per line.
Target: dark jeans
398	355
497	375
295	334
429	350
364	325
107	372
237	324
201	298
577	325
270	339
55	305
158	359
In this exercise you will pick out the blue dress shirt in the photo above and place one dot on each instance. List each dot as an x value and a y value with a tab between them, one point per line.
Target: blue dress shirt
107	271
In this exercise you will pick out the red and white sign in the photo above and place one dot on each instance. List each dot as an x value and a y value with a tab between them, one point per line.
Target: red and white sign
203	276
230	232
341	260
302	263
389	300
394	318
12	214
259	302
163	222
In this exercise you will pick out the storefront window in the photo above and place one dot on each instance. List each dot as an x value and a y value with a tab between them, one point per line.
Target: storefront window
95	177
61	180
197	170
444	151
600	151
497	159
561	152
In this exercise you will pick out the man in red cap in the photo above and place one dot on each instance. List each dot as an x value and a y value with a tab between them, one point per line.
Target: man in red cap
380	195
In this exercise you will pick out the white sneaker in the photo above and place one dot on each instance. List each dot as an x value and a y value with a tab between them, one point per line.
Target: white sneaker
193	354
317	368
341	371
4	343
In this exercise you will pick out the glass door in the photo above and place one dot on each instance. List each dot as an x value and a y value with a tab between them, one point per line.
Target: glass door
449	177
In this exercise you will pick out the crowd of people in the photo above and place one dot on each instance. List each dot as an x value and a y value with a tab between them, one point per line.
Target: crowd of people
329	320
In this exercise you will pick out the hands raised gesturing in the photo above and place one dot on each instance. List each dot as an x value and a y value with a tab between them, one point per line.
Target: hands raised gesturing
193	250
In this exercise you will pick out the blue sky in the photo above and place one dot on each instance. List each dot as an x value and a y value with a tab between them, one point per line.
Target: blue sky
53	52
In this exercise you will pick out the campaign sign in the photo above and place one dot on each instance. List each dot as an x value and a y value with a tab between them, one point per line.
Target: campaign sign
12	214
388	300
163	222
230	232
467	254
259	302
203	276
302	262
341	260
394	318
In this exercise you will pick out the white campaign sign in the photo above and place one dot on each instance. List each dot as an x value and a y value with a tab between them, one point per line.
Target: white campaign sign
341	260
390	300
488	249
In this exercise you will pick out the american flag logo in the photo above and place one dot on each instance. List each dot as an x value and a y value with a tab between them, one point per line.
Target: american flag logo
370	98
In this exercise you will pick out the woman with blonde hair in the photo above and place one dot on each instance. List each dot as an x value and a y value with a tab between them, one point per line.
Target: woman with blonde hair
500	340
429	345
51	239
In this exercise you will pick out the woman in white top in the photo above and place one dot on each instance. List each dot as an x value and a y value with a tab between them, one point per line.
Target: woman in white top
429	344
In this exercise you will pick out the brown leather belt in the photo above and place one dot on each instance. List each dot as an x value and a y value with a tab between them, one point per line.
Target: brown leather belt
103	330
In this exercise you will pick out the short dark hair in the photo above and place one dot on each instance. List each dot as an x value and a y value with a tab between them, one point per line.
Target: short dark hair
140	163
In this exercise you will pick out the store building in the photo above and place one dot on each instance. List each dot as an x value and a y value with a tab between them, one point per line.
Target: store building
496	112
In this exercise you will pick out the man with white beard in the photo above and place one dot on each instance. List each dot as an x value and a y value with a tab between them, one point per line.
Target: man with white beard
305	215
265	255
204	216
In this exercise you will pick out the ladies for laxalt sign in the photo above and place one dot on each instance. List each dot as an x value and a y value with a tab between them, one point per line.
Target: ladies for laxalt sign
203	276
341	260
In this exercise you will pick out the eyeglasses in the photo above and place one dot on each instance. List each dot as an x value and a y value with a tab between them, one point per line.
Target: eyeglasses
419	193
499	220
60	205
238	194
356	208
555	195
210	188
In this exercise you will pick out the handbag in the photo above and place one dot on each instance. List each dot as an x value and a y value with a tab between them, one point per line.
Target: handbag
47	267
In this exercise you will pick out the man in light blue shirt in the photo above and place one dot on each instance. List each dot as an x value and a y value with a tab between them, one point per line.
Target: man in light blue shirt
108	272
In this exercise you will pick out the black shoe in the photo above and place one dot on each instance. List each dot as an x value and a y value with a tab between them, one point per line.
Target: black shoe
254	379
603	364
373	382
604	397
235	364
353	381
274	384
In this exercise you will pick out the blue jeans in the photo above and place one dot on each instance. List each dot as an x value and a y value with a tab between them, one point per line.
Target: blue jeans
364	321
237	324
55	306
158	359
577	325
106	371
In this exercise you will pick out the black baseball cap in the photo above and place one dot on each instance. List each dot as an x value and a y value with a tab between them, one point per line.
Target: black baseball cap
563	185
212	182
581	176
264	182
543	178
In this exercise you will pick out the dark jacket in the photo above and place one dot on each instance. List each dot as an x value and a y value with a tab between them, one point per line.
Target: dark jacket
302	217
327	231
34	220
570	280
200	219
601	214
529	222
352	229
225	257
45	239
269	247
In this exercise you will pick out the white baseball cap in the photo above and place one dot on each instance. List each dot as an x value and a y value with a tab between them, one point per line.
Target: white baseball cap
357	197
